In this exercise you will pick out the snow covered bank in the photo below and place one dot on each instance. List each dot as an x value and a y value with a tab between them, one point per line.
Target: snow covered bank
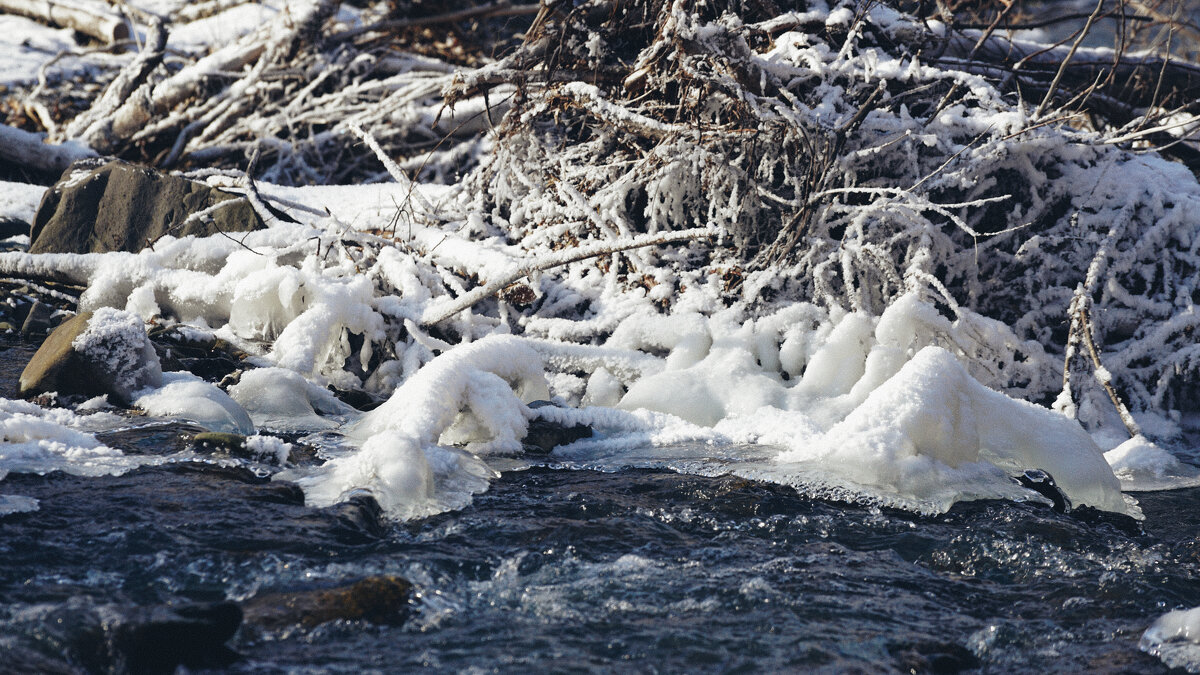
887	280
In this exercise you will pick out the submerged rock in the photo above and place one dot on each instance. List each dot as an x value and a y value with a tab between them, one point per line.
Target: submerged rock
544	435
379	600
92	355
109	205
220	440
111	638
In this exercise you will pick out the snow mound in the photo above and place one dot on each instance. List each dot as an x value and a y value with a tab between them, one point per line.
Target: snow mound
1142	465
281	399
933	429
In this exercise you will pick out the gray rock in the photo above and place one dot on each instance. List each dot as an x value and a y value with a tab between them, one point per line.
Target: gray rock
102	205
113	363
38	321
11	227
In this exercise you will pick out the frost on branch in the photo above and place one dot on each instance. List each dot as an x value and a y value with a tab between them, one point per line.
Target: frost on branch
852	156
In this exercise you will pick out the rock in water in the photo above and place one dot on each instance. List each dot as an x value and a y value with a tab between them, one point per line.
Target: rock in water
379	600
109	205
93	354
109	638
544	435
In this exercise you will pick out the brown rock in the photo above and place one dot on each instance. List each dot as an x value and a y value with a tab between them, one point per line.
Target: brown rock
380	600
108	205
114	364
56	366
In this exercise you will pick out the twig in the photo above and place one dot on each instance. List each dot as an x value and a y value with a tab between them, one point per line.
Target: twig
435	315
1087	27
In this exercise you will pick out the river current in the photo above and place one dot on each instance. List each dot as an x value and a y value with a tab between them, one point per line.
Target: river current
556	570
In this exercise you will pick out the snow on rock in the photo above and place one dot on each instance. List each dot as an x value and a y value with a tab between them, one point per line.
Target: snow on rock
188	397
1175	639
115	345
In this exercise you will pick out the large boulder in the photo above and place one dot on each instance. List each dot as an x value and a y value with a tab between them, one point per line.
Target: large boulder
102	205
94	354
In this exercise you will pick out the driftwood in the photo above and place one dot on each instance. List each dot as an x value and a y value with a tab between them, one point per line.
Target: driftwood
28	149
90	18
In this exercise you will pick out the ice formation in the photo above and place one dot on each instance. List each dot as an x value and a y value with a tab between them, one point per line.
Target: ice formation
185	396
280	399
1175	638
38	440
115	343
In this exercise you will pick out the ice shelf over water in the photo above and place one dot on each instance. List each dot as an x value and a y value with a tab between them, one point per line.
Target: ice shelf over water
885	408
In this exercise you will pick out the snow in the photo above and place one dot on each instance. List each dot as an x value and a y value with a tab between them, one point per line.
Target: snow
115	342
20	200
1175	639
26	45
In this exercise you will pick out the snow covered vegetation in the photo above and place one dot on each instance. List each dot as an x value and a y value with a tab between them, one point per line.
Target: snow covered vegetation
833	245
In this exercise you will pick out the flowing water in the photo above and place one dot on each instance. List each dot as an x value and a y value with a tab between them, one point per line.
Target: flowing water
573	570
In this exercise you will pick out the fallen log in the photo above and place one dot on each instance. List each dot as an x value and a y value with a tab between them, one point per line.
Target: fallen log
29	150
91	19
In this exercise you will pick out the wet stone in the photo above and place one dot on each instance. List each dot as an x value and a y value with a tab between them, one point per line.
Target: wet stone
544	435
115	638
378	600
234	444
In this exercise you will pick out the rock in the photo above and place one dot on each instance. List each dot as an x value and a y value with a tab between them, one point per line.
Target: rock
109	205
38	321
163	638
115	358
544	435
1043	483
220	440
12	227
379	600
110	638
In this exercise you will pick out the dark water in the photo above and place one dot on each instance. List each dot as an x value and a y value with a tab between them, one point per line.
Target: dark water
576	571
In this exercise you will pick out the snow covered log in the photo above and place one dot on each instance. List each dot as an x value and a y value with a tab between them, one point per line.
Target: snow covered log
90	18
30	150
